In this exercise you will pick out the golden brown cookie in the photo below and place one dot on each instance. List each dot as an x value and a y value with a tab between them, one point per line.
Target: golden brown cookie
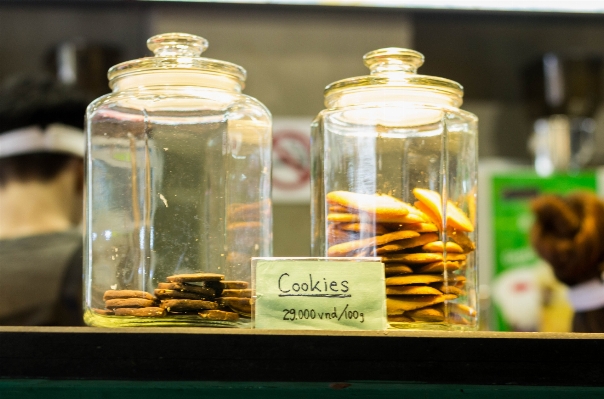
457	219
410	218
432	206
430	314
415	211
463	309
434	218
393	269
414	279
195	277
141	312
457	281
218	315
374	228
403	303
371	218
343	217
431	199
376	204
123	294
344	249
413	259
462	239
455	257
338	209
399	318
337	236
425	227
437	246
449	289
438	267
129	303
411	290
408	243
432	202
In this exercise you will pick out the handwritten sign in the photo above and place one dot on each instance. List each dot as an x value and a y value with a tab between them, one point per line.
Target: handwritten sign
319	294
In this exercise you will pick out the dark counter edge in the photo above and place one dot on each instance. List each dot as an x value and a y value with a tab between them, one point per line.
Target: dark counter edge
198	354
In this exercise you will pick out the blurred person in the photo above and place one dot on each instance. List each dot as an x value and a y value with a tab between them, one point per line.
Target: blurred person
41	199
569	234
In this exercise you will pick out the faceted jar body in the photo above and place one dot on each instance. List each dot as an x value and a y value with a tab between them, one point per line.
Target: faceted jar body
397	180
178	182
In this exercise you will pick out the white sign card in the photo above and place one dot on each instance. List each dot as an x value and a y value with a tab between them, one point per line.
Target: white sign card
319	293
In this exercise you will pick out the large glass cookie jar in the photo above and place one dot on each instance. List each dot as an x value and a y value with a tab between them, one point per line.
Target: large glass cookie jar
178	191
394	173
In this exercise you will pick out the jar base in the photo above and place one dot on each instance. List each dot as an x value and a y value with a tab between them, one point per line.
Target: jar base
432	326
93	319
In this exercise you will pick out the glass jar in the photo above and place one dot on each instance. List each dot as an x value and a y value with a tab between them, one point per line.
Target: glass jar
178	191
394	173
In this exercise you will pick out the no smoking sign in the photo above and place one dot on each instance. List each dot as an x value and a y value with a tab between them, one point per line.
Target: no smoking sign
291	160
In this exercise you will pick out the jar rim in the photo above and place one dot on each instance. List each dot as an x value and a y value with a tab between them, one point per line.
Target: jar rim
197	64
177	51
395	67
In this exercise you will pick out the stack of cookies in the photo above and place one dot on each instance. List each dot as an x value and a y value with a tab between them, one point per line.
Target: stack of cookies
423	273
193	294
246	226
205	295
131	303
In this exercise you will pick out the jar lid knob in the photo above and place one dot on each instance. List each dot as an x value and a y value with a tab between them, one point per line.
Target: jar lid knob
393	59
177	45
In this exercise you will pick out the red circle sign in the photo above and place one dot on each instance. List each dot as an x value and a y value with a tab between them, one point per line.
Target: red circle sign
292	149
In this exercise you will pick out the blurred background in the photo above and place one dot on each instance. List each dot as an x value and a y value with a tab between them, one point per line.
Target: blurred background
513	64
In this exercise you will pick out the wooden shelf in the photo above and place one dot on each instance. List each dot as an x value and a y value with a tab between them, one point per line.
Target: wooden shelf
229	355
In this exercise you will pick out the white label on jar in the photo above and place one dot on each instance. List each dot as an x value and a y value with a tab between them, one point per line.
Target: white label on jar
319	294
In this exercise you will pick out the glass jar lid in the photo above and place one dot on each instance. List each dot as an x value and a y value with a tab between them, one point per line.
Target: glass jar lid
177	52
395	68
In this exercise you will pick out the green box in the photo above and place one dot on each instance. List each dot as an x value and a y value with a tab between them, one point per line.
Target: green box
524	292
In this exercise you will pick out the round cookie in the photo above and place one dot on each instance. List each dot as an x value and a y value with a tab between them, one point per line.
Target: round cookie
122	294
219	286
187	305
412	290
243	306
350	246
237	293
129	303
204	291
174	294
397	269
430	314
195	277
235	284
141	312
218	315
399	318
